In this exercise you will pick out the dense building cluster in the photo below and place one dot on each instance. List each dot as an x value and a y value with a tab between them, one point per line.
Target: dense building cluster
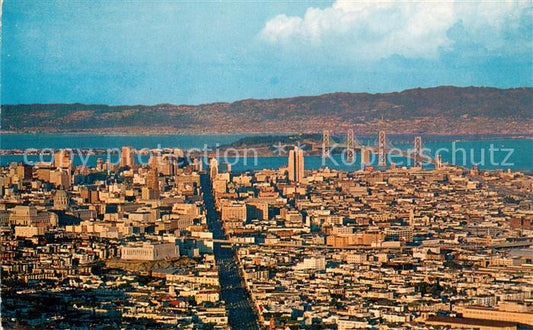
104	246
401	247
132	245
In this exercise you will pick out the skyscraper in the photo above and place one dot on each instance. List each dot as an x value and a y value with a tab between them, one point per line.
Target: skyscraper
63	159
296	165
438	164
126	157
213	168
197	164
152	179
163	163
151	191
365	156
24	171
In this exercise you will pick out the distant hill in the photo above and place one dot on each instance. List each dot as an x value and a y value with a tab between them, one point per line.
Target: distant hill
440	110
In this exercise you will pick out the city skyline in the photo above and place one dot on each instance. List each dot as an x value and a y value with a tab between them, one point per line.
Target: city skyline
270	248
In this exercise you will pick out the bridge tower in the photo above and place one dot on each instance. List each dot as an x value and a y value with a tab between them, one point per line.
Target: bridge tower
350	146
325	143
418	151
382	142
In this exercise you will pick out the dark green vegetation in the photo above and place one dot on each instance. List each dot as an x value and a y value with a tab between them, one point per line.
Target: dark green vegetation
440	110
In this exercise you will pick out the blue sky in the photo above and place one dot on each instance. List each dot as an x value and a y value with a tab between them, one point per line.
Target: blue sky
132	52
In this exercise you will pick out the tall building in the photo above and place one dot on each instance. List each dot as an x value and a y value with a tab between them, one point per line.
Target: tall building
213	168
438	164
100	165
60	178
126	157
365	156
296	165
197	164
163	163
63	159
151	191
152	179
24	171
200	164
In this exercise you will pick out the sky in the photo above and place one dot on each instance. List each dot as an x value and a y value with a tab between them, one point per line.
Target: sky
193	52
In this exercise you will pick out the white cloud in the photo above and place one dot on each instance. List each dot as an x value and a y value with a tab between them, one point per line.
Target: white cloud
414	29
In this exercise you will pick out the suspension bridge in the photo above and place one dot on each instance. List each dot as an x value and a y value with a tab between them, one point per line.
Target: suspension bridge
382	149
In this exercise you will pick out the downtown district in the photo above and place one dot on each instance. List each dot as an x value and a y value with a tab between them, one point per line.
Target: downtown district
128	245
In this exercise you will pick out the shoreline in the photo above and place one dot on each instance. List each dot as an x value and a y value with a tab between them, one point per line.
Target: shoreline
246	134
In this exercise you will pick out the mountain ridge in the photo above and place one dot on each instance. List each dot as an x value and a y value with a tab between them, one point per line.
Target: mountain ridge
436	110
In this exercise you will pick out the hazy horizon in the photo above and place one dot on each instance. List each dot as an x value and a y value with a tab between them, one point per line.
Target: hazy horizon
273	98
